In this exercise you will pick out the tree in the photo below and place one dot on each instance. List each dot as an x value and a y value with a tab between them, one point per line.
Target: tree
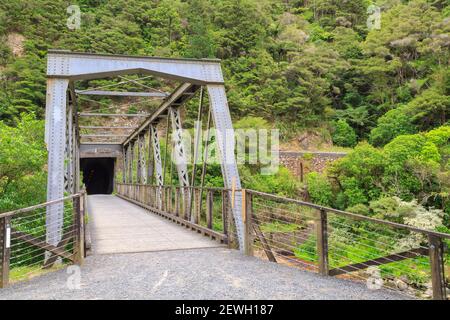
22	160
343	135
392	124
429	109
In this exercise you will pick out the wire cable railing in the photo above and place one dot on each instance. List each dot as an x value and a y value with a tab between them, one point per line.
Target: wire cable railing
32	244
379	253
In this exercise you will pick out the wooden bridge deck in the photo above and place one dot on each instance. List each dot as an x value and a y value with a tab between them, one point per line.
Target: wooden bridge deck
118	226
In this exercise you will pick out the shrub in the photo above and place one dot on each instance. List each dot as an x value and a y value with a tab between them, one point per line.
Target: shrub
282	183
319	189
394	123
22	161
343	134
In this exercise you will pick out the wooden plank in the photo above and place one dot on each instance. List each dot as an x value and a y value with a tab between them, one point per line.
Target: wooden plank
218	236
262	238
60	247
42	244
379	261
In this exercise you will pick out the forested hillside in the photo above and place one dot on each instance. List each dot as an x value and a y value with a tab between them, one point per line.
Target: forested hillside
301	65
296	63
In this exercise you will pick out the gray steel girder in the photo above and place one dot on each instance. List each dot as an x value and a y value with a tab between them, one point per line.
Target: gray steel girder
142	174
78	66
225	142
179	153
55	138
158	162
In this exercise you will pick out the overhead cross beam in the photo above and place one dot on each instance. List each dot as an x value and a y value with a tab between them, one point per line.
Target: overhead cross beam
131	115
160	95
107	127
83	66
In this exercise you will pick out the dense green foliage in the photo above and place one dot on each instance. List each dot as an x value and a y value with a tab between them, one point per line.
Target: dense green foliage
297	64
308	62
410	167
22	161
343	134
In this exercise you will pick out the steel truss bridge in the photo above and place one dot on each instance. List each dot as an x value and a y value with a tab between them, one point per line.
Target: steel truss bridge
282	230
63	132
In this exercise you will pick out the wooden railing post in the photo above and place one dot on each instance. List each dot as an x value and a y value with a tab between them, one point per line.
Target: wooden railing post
186	203
79	207
177	202
225	213
5	247
436	251
209	209
198	206
247	212
322	242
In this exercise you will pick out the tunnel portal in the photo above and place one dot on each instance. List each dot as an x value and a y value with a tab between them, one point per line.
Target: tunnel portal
98	175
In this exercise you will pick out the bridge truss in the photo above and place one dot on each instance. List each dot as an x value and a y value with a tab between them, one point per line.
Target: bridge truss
63	131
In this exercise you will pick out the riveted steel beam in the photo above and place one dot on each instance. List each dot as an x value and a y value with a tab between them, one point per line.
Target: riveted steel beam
81	66
183	93
160	95
107	127
131	115
158	162
56	117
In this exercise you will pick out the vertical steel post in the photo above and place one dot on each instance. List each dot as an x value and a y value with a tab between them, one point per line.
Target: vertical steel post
55	133
225	146
158	164
138	162
150	166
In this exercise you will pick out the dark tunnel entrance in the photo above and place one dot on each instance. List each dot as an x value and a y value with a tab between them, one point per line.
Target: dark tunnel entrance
98	175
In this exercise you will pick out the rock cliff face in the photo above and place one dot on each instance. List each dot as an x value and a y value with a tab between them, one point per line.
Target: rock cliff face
300	163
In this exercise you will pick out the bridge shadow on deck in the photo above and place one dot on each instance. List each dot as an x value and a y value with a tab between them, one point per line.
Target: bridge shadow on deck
118	226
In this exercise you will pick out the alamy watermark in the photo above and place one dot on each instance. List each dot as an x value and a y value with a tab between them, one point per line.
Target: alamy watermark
375	281
74	20
74	279
258	147
374	19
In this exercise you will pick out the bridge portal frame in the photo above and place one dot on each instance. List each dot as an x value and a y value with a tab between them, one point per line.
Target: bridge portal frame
65	67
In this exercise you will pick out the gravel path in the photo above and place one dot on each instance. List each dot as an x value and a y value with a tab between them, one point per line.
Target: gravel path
211	273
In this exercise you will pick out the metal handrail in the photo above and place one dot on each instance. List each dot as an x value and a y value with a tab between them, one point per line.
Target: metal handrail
351	215
39	206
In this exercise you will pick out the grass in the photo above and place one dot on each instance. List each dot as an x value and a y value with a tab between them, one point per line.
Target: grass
278	227
29	272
